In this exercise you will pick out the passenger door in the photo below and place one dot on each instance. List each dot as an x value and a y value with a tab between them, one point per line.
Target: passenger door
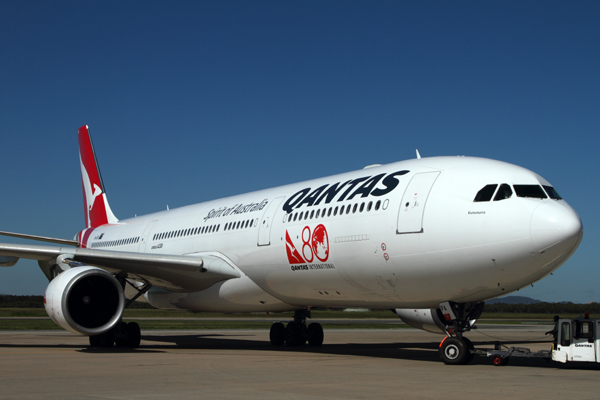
412	207
266	223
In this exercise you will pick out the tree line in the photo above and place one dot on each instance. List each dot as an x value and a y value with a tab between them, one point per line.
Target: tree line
543	308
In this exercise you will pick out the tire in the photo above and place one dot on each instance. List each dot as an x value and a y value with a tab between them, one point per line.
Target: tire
315	334
277	334
106	339
295	334
454	351
134	335
94	341
500	361
121	335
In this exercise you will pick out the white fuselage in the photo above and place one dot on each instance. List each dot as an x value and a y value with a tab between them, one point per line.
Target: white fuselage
410	235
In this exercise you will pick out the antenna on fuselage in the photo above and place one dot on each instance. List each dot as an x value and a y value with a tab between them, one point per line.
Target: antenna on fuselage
418	155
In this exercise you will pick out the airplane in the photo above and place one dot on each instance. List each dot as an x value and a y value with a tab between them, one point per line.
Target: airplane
431	238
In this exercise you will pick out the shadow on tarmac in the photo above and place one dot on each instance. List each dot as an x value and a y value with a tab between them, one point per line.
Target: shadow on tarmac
417	351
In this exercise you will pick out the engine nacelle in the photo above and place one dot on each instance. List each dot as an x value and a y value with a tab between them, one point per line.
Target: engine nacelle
430	320
85	300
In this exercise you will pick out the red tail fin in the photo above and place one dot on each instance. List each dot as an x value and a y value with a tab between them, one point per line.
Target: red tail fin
97	210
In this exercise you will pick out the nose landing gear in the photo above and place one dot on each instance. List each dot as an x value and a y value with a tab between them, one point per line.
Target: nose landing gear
455	349
296	333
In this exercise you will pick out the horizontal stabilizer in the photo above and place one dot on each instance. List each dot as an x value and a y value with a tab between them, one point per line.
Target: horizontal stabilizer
173	272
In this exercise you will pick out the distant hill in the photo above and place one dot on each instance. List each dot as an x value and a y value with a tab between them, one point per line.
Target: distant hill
513	300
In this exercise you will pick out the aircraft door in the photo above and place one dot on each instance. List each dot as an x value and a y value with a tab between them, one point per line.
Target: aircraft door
144	238
264	228
412	207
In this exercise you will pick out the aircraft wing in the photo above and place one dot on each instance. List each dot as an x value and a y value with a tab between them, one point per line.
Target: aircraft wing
173	272
41	238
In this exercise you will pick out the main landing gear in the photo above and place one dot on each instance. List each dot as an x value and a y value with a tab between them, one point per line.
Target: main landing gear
455	349
296	333
124	334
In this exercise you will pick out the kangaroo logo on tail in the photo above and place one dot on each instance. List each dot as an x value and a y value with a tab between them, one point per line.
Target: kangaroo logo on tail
96	212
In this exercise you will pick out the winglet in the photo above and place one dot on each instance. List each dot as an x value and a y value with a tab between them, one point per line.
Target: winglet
96	208
418	155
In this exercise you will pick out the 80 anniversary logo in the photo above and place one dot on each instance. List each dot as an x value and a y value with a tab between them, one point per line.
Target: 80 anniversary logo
314	252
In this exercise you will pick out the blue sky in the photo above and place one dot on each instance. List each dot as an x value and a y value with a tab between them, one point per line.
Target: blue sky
192	101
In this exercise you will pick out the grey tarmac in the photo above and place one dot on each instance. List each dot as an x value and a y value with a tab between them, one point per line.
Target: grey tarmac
234	364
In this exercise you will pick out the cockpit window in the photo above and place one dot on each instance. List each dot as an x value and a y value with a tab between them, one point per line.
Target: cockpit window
503	193
534	191
552	193
486	193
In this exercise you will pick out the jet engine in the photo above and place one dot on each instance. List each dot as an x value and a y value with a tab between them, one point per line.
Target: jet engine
430	320
85	300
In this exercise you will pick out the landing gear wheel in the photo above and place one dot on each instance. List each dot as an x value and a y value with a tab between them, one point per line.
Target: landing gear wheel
500	361
454	351
277	334
121	335
106	339
295	334
134	335
315	334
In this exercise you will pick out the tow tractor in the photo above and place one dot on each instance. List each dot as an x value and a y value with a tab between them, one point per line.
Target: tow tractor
574	340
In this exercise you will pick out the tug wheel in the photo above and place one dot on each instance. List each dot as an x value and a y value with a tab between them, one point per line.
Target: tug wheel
497	360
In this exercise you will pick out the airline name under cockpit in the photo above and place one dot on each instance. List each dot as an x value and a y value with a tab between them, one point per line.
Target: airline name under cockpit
329	192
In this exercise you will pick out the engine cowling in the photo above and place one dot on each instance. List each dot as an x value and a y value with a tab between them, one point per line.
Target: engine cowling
85	300
430	320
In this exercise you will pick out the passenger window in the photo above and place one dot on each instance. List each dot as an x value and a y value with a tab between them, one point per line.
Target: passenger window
503	193
377	205
486	193
533	191
362	207
312	214
369	206
354	208
342	210
329	212
335	211
295	216
317	213
552	193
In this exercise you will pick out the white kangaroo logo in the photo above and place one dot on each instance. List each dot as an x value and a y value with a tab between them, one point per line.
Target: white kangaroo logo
90	197
97	192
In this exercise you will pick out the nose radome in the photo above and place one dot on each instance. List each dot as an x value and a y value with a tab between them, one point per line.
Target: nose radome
555	224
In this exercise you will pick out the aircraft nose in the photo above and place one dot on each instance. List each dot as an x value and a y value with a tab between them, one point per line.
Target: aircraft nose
555	225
